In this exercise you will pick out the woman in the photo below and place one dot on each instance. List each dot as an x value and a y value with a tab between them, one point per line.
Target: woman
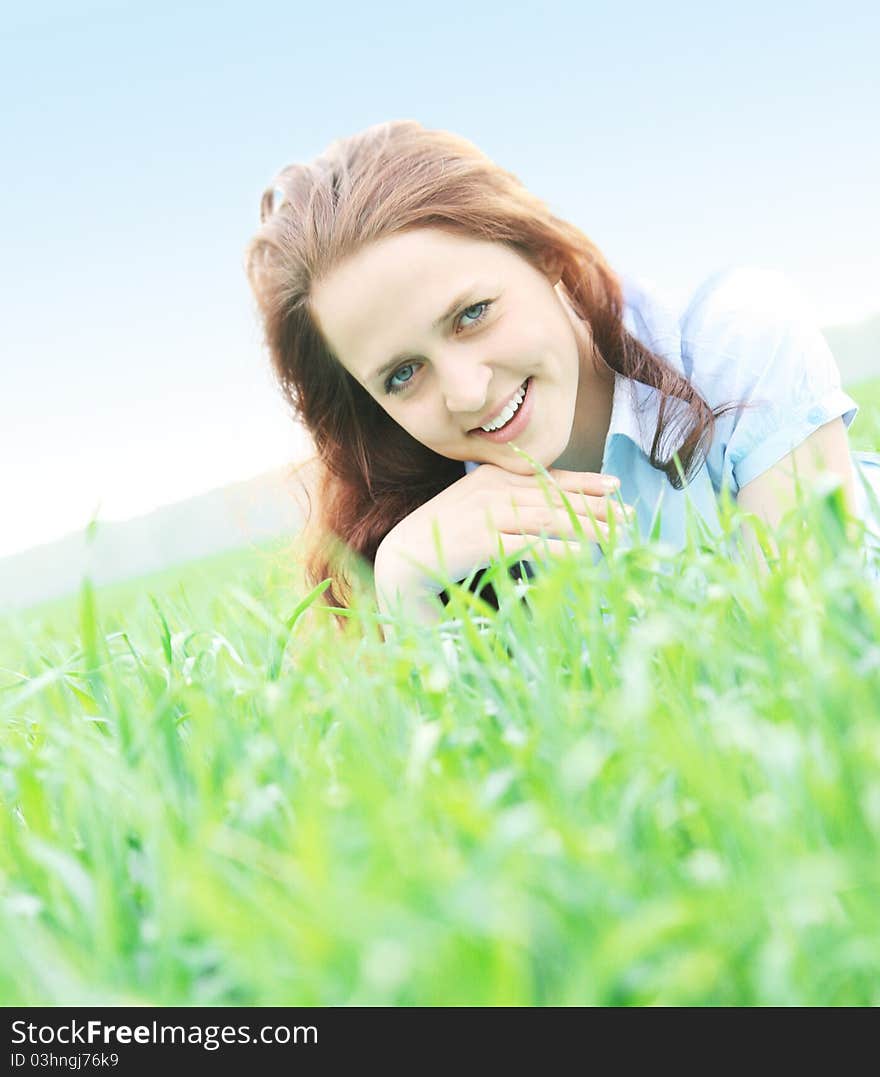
426	315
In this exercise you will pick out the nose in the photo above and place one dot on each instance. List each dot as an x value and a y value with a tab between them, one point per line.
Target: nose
465	386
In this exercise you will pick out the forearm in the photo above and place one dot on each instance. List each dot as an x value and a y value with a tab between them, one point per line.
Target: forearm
400	591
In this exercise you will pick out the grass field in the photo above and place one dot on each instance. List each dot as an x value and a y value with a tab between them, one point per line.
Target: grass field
866	430
658	781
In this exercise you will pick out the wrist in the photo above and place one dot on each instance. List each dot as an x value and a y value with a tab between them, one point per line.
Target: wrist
401	586
395	569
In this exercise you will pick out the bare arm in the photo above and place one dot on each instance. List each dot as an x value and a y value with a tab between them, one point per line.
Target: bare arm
486	512
771	495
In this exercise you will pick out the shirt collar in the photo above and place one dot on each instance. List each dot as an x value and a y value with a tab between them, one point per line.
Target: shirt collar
653	320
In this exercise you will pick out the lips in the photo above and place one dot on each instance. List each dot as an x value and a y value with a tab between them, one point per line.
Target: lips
516	424
514	399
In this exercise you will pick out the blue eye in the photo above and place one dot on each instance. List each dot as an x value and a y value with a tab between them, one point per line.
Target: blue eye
397	387
481	307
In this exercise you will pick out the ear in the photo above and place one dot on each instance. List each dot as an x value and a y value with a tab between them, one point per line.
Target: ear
550	264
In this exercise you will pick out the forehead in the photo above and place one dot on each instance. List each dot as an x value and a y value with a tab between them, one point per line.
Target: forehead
385	297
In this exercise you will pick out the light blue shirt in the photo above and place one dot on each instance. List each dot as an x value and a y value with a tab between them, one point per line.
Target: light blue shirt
744	336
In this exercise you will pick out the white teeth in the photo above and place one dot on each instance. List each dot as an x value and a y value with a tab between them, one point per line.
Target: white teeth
509	411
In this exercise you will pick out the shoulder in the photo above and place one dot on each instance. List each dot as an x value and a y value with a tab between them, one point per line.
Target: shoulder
733	306
746	337
752	339
744	329
751	314
736	294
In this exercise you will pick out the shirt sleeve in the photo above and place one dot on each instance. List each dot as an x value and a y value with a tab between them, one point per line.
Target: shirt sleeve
749	339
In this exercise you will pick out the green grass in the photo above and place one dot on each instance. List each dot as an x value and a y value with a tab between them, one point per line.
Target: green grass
658	781
866	429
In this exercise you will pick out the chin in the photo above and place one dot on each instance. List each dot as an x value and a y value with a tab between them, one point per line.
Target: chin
520	466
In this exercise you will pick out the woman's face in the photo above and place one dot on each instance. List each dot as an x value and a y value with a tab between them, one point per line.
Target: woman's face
444	331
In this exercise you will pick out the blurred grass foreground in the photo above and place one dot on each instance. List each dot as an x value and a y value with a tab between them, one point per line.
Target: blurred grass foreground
655	780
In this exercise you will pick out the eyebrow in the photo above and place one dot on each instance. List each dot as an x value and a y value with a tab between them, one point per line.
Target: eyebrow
445	316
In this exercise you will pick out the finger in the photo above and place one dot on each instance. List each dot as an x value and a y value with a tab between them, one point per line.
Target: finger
587	482
556	522
539	547
583	504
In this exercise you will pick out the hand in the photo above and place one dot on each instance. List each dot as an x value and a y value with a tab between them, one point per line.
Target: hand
483	507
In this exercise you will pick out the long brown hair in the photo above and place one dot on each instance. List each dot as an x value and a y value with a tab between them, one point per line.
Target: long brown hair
389	178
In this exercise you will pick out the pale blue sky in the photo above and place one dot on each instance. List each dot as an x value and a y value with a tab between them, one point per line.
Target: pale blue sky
137	140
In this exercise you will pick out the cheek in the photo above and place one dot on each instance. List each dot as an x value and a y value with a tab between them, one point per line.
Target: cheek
534	334
524	336
417	418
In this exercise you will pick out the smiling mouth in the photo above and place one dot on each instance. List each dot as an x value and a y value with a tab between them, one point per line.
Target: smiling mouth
506	414
514	417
